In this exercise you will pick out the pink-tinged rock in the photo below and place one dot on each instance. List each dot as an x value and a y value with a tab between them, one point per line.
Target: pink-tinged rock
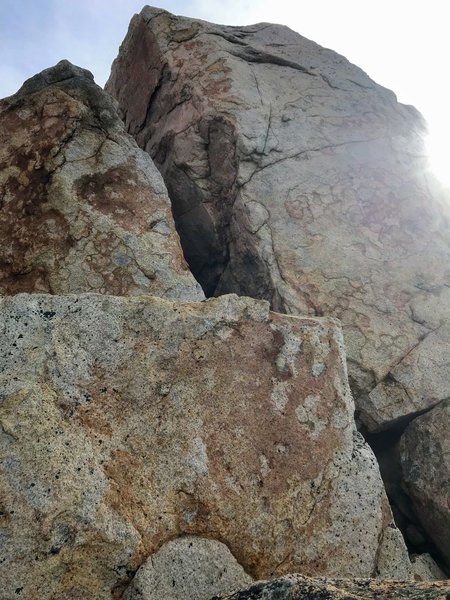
81	207
129	422
294	177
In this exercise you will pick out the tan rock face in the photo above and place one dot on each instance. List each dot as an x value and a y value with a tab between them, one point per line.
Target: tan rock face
294	177
128	422
81	207
188	567
426	569
425	461
297	587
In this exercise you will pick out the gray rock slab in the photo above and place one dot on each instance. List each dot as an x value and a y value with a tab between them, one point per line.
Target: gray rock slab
188	567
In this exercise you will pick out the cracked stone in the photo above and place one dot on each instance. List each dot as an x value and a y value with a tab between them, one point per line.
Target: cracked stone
128	422
296	178
78	200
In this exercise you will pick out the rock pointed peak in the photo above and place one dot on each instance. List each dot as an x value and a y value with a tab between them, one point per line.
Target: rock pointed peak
149	12
62	71
76	190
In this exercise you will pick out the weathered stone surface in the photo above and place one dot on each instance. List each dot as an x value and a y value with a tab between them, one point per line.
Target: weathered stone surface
297	587
294	177
128	422
188	567
425	461
426	569
393	560
81	207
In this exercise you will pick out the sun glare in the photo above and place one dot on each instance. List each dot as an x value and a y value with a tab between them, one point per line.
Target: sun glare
437	149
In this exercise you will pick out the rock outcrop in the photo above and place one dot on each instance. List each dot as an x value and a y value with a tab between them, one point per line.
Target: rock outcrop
155	445
297	587
128	422
294	177
81	207
425	463
188	568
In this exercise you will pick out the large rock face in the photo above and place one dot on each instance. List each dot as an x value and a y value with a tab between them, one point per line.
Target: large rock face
425	462
294	177
297	587
81	207
128	422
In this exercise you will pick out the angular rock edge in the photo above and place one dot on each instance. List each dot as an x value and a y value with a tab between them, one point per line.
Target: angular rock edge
127	422
309	185
298	587
82	209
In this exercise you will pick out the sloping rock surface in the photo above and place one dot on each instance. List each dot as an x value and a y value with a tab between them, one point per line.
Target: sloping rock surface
425	463
297	587
81	207
426	569
294	177
188	567
128	422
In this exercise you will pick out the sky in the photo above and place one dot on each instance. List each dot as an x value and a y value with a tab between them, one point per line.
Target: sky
402	44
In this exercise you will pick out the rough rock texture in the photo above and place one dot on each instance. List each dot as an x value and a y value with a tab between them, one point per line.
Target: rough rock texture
297	587
294	177
127	422
426	569
188	568
425	461
386	446
81	207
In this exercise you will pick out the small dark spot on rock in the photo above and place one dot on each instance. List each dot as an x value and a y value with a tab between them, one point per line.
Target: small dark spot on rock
48	314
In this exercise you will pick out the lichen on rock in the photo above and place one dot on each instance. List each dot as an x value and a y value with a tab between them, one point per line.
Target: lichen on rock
82	208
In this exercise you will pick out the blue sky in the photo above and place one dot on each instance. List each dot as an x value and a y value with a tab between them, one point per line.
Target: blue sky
402	44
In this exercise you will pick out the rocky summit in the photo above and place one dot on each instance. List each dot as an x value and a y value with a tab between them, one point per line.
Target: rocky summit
294	177
202	270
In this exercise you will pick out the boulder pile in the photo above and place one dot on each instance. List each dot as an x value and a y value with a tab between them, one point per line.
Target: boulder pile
190	318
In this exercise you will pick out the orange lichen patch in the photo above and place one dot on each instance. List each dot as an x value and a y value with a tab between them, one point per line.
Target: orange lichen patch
93	419
217	67
28	225
294	208
118	282
218	88
29	228
259	471
130	495
120	194
26	130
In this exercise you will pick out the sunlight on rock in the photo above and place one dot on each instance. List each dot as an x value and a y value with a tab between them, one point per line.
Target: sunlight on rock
436	145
